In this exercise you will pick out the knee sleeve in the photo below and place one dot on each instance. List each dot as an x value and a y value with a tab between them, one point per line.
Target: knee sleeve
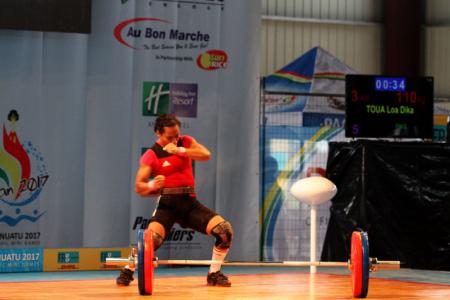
157	240
224	235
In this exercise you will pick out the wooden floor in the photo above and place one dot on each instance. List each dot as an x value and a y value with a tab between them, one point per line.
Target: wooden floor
248	286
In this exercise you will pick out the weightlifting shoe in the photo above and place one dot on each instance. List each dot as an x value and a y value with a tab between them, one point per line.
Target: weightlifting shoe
218	279
125	277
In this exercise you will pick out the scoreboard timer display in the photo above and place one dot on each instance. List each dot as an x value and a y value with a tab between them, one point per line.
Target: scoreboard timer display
388	107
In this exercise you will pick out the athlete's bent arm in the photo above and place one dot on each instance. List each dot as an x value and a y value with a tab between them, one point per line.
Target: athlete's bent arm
196	151
143	186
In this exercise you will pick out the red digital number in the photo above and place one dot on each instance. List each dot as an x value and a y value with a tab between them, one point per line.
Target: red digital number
408	98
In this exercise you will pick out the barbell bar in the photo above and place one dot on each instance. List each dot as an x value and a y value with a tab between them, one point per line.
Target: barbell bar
359	263
132	262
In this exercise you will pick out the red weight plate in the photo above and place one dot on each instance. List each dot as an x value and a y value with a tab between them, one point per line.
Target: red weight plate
357	264
141	262
365	264
148	258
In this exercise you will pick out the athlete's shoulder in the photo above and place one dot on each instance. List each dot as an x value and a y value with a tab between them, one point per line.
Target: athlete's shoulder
152	150
148	157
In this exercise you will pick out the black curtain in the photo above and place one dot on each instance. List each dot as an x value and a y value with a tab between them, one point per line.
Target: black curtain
399	192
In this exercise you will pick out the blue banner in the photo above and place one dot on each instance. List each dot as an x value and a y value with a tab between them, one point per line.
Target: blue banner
21	260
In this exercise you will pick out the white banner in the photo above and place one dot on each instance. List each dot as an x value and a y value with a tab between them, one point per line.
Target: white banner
42	114
78	110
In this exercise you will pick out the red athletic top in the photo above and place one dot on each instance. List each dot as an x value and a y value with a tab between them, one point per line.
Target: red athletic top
177	169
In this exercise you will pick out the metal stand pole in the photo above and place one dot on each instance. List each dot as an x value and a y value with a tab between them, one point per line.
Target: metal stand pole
313	239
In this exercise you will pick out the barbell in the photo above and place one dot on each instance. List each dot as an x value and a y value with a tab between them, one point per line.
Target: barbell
360	264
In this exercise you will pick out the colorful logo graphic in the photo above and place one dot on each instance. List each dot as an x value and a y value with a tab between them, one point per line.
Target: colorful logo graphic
176	98
22	176
128	31
212	60
159	35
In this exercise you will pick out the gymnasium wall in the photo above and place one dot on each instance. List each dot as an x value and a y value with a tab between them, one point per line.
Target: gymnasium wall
352	31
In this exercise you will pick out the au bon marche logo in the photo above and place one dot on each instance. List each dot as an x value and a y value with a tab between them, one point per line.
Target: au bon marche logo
145	33
152	34
175	98
23	176
173	41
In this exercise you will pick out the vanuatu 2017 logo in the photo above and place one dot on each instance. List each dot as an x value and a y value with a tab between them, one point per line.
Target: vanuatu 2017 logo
22	176
164	97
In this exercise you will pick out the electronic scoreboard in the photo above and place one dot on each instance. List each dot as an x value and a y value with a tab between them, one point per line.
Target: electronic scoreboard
388	107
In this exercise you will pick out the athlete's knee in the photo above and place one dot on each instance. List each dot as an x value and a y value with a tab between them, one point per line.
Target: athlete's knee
157	240
224	235
158	234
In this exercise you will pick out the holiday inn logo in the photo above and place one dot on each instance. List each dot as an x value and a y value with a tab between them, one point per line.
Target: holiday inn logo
175	98
156	98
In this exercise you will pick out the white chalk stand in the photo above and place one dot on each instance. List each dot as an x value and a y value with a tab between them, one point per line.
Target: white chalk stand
313	191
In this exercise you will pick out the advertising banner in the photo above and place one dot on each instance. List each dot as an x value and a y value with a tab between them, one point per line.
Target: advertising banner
185	42
71	259
21	260
78	110
42	107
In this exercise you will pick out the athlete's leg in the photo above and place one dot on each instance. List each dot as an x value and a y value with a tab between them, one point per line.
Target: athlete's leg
161	222
126	273
206	221
223	233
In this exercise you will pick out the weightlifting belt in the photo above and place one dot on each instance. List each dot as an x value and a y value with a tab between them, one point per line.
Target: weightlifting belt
178	190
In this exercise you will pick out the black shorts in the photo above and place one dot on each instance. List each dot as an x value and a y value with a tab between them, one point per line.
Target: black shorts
183	209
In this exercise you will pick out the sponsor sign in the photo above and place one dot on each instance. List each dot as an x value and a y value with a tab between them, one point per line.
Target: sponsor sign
171	41
159	35
21	260
181	239
176	98
212	60
81	258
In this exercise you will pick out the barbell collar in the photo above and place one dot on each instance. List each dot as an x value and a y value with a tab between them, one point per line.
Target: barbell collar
121	262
